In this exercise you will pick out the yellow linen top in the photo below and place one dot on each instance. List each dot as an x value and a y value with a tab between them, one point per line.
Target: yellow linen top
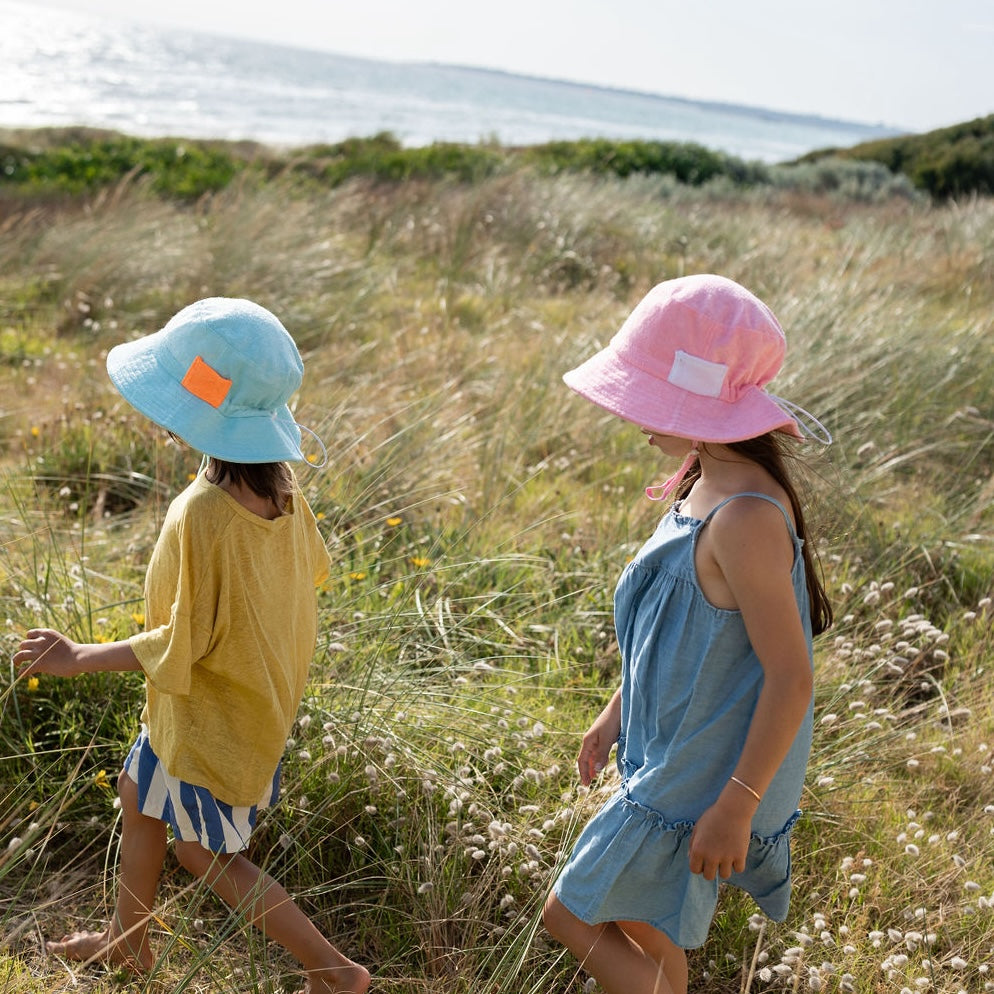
231	625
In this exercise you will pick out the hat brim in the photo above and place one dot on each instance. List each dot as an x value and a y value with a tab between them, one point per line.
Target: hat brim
629	392
244	436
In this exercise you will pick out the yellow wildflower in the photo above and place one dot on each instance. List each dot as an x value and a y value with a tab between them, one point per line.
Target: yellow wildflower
32	683
101	780
393	522
420	561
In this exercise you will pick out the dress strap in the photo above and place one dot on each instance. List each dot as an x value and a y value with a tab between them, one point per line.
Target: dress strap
752	493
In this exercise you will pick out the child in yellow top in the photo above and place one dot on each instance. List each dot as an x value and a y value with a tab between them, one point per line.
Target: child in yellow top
231	624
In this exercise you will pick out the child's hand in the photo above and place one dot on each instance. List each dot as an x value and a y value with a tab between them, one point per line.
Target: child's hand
46	651
597	743
594	753
719	843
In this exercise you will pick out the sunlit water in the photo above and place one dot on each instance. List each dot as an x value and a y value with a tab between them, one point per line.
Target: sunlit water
59	67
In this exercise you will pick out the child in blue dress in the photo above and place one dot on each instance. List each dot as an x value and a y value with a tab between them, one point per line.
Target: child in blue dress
714	617
231	624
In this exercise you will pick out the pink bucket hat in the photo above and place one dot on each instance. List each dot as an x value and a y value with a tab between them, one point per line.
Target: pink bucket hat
692	360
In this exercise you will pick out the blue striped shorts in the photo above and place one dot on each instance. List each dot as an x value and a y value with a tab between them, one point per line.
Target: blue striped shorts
193	813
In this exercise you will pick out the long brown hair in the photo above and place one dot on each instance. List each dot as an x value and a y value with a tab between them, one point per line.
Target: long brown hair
265	479
771	453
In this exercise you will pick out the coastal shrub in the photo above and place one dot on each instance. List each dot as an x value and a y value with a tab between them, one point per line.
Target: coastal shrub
862	181
382	157
187	170
960	169
946	163
689	162
182	169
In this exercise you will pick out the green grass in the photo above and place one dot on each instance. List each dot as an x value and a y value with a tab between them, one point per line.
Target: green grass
478	515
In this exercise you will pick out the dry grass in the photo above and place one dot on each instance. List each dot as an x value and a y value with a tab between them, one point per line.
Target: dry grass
478	516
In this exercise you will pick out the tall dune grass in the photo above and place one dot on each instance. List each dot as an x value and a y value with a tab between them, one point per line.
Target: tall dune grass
478	516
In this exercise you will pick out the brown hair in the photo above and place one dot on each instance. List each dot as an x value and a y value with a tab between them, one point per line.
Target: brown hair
770	452
265	479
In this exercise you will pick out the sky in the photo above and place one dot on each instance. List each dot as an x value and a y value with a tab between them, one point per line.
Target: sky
909	64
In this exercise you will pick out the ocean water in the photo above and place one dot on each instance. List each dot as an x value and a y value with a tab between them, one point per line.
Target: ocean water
64	68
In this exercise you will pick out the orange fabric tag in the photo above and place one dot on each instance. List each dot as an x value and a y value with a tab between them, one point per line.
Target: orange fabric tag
206	383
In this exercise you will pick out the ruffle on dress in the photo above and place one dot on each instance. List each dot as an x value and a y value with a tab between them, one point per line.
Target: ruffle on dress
630	863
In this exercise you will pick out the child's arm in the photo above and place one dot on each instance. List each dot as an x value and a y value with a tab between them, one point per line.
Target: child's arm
754	552
46	651
597	742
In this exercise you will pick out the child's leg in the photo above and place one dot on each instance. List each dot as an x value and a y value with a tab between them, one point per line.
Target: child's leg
659	946
622	961
143	852
245	887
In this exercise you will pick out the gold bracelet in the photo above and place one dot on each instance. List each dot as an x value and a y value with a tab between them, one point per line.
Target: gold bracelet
743	784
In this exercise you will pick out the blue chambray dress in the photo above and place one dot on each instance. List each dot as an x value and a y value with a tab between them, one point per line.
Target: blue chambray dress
690	683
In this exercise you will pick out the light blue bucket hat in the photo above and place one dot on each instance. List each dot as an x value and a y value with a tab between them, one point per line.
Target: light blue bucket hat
219	375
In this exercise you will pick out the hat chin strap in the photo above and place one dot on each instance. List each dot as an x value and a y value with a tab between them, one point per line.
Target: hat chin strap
662	490
314	464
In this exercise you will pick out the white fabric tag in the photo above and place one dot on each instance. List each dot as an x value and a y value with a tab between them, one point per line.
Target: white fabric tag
697	375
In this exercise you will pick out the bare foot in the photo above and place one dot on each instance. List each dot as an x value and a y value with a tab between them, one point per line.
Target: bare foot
351	979
97	947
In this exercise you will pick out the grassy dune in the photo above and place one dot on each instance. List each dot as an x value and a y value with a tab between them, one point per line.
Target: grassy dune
478	515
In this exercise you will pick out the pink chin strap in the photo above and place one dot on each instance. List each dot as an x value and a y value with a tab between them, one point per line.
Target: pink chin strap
662	490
